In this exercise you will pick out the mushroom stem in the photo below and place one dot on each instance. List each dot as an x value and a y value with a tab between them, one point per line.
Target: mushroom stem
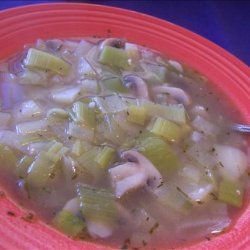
133	81
112	42
177	93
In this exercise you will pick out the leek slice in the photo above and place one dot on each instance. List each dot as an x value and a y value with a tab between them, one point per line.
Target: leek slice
167	129
159	153
114	84
175	200
105	157
57	113
97	205
7	158
84	114
37	59
172	112
66	96
44	166
115	57
68	223
23	165
137	114
32	127
230	193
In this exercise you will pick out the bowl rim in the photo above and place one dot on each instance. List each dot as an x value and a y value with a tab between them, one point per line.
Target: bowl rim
8	16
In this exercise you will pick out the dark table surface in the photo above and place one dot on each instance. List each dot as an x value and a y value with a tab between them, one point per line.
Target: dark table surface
226	23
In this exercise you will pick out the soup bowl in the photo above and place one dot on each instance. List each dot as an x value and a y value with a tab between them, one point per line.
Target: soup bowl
24	25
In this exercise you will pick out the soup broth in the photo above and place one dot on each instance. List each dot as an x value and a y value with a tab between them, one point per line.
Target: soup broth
110	141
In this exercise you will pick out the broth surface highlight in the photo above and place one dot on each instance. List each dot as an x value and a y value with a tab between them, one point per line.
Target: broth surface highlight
109	140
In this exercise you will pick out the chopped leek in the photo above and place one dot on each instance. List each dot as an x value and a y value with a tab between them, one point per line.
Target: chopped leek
32	127
114	84
7	158
175	200
167	129
230	193
80	132
173	112
137	114
57	113
44	166
115	57
84	114
159	153
80	147
23	165
105	157
37	59
66	96
68	223
97	205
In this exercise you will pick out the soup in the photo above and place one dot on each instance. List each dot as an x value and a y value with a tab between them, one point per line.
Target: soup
110	141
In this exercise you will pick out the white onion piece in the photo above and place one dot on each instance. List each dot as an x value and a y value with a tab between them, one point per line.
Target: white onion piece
66	96
36	147
82	48
73	206
99	230
205	126
84	68
11	139
32	127
27	110
232	162
176	65
196	136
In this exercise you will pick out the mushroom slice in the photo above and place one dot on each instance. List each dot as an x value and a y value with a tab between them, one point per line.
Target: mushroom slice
113	42
136	83
178	94
135	173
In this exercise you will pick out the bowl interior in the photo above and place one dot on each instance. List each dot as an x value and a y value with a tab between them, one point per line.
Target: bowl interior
24	25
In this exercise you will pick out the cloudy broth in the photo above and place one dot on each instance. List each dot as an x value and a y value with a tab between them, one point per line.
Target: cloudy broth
110	141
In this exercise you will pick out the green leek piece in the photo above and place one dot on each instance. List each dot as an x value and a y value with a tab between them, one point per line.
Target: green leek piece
37	59
84	114
8	159
30	138
137	114
68	223
80	147
41	171
167	129
32	127
114	84
159	153
230	193
57	113
44	166
105	157
175	200
115	57
97	205
173	112
23	165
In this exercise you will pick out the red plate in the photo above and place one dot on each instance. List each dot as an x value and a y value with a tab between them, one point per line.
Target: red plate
24	25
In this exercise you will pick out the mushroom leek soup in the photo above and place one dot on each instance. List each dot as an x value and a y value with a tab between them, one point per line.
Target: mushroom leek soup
108	140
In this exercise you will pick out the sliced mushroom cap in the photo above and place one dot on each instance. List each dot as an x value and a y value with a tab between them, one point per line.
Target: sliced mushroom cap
138	84
178	94
113	42
135	173
154	177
